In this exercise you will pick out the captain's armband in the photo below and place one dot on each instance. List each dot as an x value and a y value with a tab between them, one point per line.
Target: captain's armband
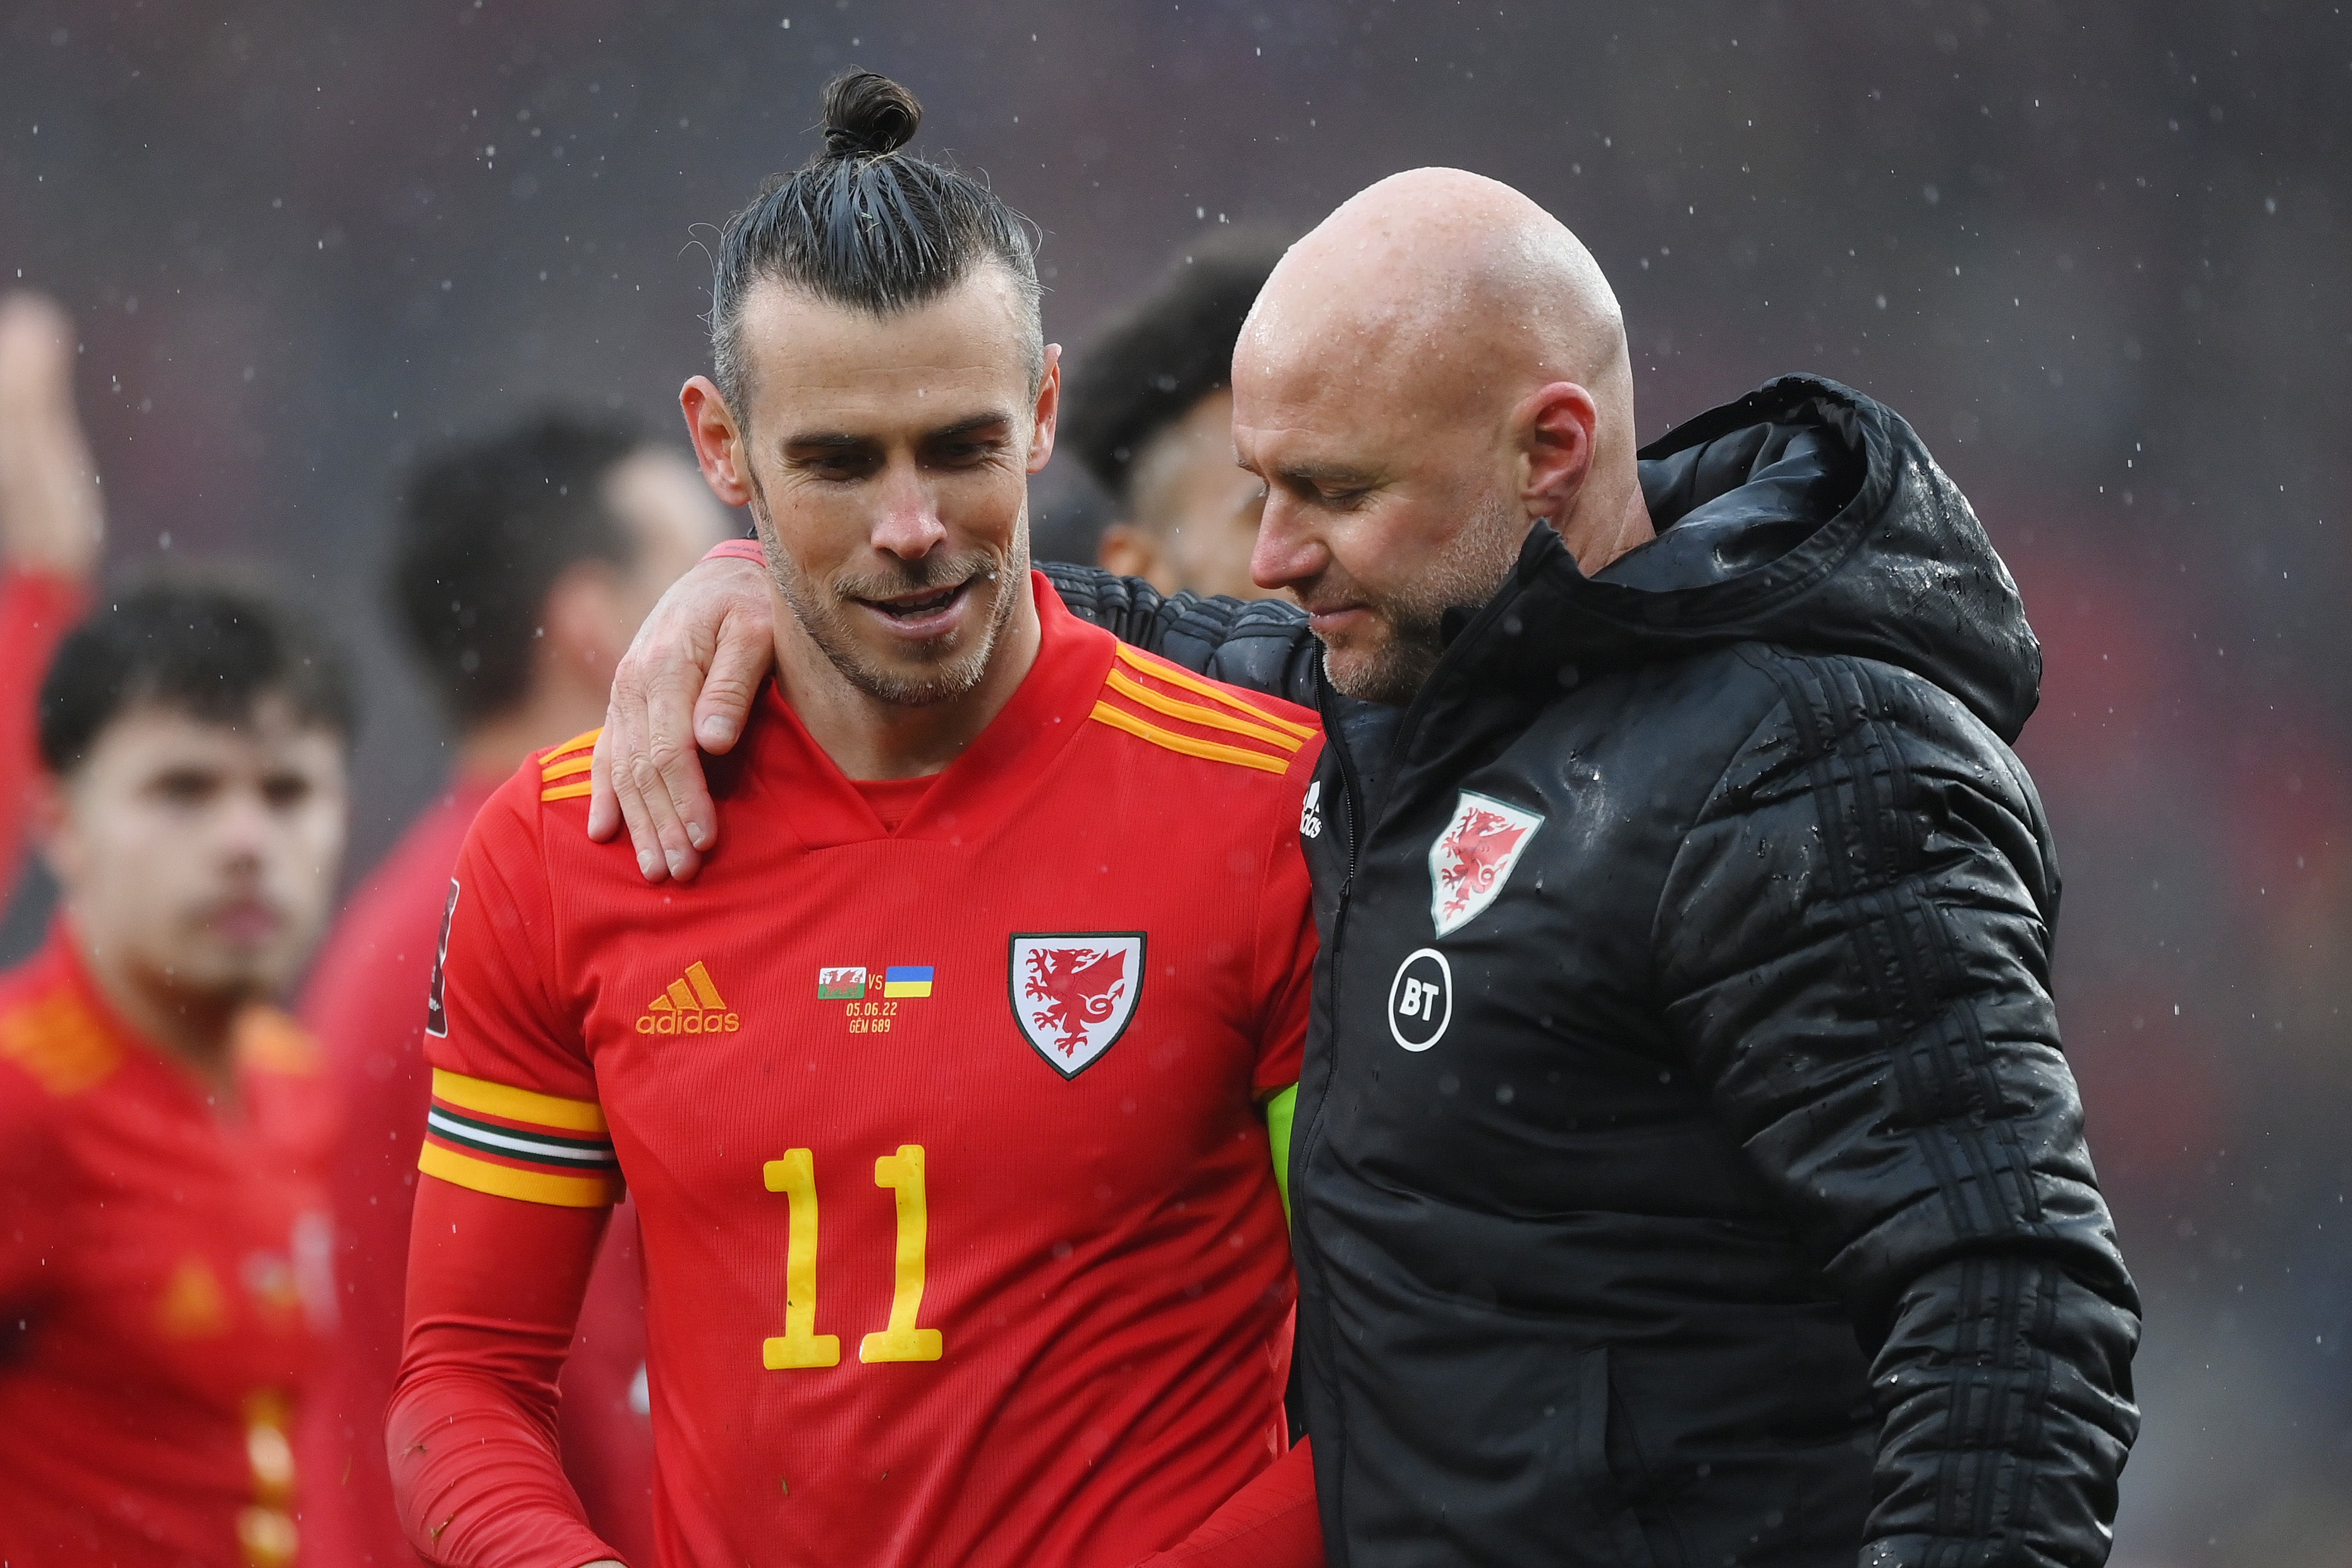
519	1143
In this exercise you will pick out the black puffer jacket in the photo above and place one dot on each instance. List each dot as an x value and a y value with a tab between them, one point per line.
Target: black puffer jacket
1685	1169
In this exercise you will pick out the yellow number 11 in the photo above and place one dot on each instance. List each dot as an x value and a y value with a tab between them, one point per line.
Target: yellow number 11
795	1175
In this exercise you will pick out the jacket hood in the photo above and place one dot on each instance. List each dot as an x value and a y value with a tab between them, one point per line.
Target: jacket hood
1805	514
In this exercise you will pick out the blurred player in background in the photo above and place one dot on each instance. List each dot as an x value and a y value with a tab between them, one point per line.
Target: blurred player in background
522	565
51	528
1150	414
165	1251
1005	974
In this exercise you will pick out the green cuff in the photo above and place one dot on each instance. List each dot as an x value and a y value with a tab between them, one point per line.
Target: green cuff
1278	1112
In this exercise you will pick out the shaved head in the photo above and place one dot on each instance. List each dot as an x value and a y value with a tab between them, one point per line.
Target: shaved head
1444	288
1437	367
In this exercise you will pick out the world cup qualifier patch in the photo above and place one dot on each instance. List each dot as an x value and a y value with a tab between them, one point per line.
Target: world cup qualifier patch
1074	992
1473	858
436	1016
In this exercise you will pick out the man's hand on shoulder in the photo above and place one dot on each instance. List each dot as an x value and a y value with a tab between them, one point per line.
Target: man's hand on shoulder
690	676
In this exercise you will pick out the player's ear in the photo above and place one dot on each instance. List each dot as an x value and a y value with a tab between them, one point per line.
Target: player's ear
718	440
1554	431
49	802
1048	410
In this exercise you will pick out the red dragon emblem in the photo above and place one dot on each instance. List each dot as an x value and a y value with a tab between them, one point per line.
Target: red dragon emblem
1476	853
1079	989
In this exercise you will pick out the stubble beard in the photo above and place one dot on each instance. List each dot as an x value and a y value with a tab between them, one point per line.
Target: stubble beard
1394	664
954	665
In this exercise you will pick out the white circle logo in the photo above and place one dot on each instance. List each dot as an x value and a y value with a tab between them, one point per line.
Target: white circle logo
1421	1000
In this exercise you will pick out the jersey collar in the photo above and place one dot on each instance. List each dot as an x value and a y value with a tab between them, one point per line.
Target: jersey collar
788	773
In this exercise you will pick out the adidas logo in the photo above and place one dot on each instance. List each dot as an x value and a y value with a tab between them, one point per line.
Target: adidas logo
690	1006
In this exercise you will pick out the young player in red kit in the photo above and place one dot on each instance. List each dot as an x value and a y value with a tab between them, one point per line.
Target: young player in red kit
942	1094
164	1242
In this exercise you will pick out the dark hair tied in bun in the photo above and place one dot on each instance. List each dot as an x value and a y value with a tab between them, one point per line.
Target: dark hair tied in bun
864	224
868	115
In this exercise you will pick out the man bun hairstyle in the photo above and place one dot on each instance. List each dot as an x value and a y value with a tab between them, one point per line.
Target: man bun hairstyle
211	647
865	225
867	114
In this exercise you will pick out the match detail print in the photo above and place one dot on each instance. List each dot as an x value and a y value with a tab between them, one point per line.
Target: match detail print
437	1013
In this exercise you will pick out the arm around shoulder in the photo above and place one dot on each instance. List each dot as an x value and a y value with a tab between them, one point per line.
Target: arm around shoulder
685	686
1257	644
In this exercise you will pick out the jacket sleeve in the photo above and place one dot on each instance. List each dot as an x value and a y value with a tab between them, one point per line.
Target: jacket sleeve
1853	948
1260	645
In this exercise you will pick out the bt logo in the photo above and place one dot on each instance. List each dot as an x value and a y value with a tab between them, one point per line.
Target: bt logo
1421	1000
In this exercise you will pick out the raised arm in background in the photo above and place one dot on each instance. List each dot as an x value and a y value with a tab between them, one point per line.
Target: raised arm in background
51	528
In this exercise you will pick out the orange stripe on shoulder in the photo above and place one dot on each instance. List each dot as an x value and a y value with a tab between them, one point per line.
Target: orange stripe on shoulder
583	743
574	758
1200	714
1188	745
1178	711
1152	666
56	1041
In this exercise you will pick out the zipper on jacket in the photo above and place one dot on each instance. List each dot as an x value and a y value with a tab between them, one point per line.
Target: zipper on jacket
1351	793
1351	802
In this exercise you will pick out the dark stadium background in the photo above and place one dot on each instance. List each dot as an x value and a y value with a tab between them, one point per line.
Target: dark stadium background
2100	254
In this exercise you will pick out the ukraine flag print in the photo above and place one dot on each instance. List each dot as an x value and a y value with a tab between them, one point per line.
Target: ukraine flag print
906	980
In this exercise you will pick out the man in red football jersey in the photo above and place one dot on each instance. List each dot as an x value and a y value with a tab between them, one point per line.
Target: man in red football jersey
521	565
943	1095
164	1242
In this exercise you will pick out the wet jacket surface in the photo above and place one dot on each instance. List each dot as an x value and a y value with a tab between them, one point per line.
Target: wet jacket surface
1715	1191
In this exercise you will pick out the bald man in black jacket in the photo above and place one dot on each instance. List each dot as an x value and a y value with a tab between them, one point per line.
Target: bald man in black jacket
1686	1171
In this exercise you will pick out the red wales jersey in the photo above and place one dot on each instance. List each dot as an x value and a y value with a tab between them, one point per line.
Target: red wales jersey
961	1236
163	1276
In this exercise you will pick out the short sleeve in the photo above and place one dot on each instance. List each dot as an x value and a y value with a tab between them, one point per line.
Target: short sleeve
514	1110
1286	948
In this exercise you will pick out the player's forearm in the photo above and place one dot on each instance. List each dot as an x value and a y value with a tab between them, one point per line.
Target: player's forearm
1261	645
478	1481
494	1289
1272	1523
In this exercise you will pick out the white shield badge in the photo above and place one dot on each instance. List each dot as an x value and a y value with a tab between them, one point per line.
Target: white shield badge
1474	856
1075	991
